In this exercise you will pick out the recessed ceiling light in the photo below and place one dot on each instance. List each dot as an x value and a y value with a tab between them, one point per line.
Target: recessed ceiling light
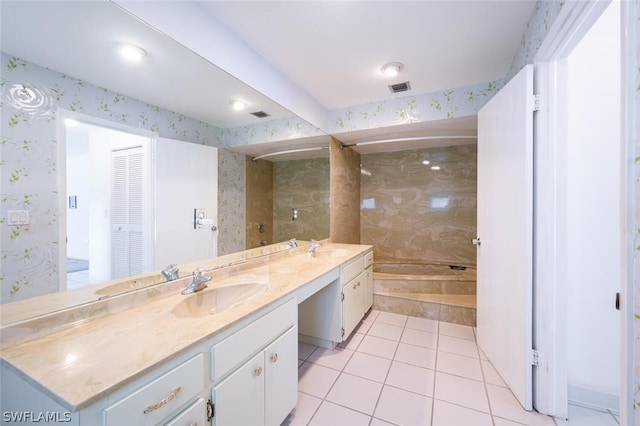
238	105
132	53
426	162
392	69
435	167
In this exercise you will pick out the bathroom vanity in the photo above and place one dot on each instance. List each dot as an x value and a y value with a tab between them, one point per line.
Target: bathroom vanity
226	355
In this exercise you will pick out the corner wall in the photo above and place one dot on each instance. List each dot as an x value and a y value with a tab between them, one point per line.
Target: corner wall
345	194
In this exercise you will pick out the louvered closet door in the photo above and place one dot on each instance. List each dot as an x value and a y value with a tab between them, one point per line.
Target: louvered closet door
127	212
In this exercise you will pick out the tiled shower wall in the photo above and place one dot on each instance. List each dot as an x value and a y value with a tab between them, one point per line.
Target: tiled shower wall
259	202
302	185
411	211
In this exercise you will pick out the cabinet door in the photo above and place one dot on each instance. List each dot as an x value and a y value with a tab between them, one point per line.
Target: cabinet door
353	304
281	386
368	289
239	399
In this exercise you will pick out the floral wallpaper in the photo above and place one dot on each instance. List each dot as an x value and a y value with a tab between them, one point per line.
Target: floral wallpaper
544	15
269	131
449	103
30	98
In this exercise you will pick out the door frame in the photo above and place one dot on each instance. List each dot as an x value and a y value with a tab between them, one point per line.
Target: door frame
550	278
61	134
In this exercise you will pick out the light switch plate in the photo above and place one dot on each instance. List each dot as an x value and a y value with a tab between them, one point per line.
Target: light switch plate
17	217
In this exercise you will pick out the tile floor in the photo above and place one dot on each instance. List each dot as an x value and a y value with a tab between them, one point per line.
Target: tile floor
77	279
400	370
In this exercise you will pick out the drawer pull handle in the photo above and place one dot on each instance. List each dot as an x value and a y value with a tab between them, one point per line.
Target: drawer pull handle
354	286
358	283
259	371
274	357
164	401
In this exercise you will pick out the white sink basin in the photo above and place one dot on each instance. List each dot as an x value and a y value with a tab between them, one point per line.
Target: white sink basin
218	299
329	253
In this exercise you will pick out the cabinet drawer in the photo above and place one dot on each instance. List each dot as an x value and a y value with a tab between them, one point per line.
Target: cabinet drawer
368	259
195	414
234	350
352	270
153	402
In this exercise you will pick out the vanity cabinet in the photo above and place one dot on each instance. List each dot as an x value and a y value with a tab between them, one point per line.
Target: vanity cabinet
353	304
357	293
330	316
263	389
368	281
154	402
248	375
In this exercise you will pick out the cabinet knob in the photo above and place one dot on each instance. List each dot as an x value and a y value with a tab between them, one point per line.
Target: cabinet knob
259	371
354	286
358	283
274	357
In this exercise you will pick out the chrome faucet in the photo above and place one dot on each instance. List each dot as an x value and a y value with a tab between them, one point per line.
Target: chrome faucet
171	272
198	283
313	246
292	243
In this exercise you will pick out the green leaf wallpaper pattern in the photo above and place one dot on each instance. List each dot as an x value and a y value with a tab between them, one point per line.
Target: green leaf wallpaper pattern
29	100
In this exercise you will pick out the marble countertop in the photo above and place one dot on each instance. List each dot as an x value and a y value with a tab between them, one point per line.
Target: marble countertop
88	358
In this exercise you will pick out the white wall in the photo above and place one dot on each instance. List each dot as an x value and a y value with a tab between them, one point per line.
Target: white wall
593	193
78	185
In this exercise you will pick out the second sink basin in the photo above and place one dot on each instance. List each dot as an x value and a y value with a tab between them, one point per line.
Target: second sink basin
217	299
329	253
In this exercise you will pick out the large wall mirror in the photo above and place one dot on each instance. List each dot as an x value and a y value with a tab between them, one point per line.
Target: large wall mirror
58	62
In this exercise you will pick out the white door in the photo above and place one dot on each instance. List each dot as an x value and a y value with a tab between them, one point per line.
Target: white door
127	212
505	231
186	202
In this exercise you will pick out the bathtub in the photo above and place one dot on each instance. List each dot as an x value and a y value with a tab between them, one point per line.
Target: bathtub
429	289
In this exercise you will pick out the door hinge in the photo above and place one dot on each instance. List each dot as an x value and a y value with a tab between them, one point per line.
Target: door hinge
535	357
342	296
342	333
536	102
210	410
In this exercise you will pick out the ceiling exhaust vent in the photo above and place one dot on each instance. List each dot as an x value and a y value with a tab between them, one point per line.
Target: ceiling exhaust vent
400	87
260	114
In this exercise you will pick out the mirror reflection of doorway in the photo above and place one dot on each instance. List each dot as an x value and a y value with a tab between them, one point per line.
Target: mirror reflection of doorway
107	203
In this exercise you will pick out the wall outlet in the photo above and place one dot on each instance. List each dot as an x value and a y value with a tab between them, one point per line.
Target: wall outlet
17	217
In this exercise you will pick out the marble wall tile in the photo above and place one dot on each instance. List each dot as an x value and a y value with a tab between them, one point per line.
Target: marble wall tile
302	185
259	201
345	194
409	211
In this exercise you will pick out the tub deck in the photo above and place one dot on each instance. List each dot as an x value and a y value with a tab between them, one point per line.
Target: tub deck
442	295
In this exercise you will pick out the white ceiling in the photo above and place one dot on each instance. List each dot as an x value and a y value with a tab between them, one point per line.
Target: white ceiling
332	50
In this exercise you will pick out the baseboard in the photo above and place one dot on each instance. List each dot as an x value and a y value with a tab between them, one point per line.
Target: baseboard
590	398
